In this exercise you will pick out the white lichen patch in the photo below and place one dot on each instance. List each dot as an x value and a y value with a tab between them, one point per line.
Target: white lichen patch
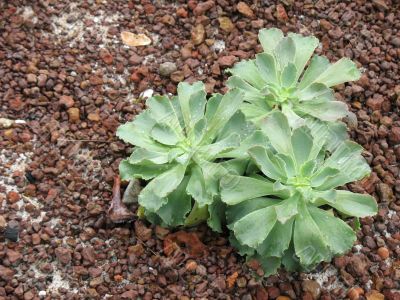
58	280
218	46
18	162
28	14
11	163
324	278
93	168
357	248
391	213
75	25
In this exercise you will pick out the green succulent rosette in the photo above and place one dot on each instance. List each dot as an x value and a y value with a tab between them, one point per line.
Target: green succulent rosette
288	211
184	144
278	78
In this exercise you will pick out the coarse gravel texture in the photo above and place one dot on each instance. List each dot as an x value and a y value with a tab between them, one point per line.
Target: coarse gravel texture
65	71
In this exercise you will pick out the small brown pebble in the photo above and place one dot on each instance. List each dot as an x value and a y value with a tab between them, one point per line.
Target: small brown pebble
241	282
63	255
13	256
198	34
191	265
227	61
226	24
3	223
181	12
281	14
73	114
106	56
355	293
177	76
66	101
35	239
383	252
142	232
13	197
137	249
245	10
374	295
94	117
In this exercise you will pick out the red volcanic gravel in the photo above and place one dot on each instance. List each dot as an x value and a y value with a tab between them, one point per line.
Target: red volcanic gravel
70	81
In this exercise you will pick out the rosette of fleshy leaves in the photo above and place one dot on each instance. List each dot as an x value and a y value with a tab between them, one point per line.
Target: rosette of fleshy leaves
289	211
183	145
276	79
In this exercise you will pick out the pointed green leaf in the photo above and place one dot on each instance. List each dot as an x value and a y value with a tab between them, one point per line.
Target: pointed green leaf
235	189
317	66
270	38
267	166
313	91
290	260
229	105
236	212
324	110
278	240
153	196
302	143
323	175
252	229
140	155
338	235
353	204
178	205
137	132
343	70
267	67
256	138
326	134
164	134
196	187
294	120
247	70
288	76
305	46
185	92
197	215
212	105
217	215
309	243
276	128
253	112
214	150
285	52
147	171
287	208
197	104
348	160
163	111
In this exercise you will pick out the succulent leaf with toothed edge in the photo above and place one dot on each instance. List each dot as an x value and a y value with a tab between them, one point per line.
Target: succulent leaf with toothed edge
276	78
280	216
183	146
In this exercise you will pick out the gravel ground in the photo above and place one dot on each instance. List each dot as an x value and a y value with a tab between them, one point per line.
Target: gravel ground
70	81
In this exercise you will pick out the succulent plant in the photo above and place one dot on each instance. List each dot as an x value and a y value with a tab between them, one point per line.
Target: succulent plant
290	213
275	79
268	158
182	148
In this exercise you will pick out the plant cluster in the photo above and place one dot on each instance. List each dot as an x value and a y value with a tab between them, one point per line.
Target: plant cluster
267	159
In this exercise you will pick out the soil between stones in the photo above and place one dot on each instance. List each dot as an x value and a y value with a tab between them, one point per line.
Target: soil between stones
66	73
